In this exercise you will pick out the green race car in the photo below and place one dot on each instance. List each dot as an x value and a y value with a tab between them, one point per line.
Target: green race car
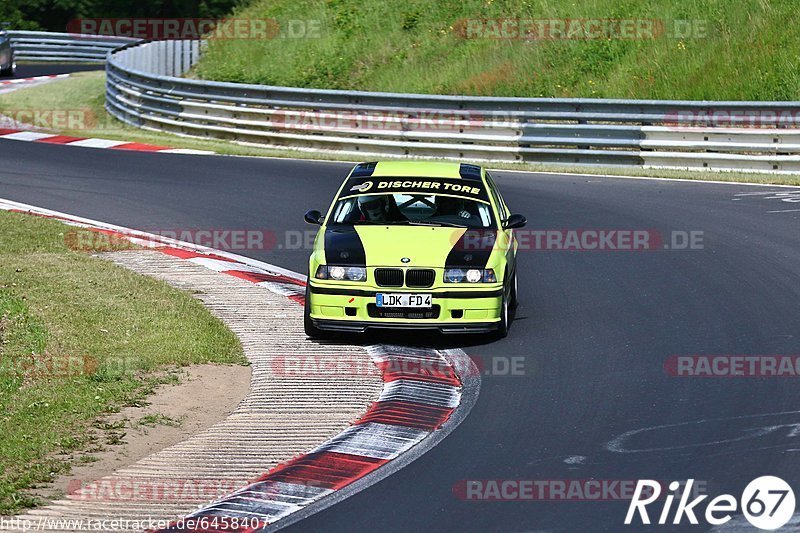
413	245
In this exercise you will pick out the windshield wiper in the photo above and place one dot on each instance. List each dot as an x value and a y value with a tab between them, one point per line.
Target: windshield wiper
432	223
404	223
370	223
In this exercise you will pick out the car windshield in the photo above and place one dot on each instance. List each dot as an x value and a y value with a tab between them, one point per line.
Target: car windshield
413	209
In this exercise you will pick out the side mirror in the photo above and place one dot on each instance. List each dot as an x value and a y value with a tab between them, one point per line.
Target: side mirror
313	217
514	221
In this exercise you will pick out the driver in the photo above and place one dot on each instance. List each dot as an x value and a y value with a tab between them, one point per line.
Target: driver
374	208
452	206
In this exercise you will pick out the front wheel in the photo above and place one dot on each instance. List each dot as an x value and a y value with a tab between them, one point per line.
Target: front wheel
514	301
311	330
10	70
502	326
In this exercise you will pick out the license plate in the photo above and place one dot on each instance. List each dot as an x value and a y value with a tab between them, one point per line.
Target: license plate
403	300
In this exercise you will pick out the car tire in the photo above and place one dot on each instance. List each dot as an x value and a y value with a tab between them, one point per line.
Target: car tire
502	326
513	300
11	70
312	331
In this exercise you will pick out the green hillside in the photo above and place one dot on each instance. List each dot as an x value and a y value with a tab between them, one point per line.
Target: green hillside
716	49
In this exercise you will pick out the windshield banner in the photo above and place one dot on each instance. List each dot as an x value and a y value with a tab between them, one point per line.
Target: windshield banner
455	186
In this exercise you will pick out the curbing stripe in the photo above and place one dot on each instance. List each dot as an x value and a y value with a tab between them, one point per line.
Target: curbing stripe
408	414
97	143
379	441
258	277
27	136
59	139
182	253
396	368
32	79
140	147
66	140
325	469
411	407
421	392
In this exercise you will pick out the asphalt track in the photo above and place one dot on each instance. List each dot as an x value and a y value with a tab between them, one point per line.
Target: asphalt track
594	329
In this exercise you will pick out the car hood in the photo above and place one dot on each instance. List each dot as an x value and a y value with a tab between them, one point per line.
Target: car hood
424	246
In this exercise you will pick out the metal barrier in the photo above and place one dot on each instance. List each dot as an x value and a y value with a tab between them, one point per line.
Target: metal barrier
143	88
68	47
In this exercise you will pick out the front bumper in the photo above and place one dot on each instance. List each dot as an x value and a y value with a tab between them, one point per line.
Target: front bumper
361	327
454	310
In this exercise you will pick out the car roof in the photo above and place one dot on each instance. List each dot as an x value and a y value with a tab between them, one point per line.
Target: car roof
423	169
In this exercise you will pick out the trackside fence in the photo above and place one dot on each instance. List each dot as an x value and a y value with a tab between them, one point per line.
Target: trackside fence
67	47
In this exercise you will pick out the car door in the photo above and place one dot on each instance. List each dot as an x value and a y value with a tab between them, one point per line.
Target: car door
507	237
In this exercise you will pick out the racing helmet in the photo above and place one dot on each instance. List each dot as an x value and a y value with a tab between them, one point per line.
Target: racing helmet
373	207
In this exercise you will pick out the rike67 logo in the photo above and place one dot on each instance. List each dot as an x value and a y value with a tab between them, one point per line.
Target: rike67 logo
767	503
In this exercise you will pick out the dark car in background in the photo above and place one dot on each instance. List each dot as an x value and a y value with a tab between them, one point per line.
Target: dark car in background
7	64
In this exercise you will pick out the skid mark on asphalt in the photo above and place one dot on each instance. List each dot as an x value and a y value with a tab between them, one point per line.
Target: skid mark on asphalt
790	197
758	426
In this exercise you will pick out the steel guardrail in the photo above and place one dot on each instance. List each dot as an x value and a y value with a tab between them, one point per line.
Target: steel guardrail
67	47
144	88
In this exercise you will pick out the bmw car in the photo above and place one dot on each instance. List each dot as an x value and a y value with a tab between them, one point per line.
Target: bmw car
413	245
7	62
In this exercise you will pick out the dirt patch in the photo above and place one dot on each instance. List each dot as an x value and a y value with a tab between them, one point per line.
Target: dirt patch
484	83
205	395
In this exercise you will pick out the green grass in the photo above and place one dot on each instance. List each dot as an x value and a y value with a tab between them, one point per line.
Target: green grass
85	91
747	50
159	419
80	338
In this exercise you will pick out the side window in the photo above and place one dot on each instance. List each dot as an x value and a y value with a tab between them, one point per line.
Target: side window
344	211
498	200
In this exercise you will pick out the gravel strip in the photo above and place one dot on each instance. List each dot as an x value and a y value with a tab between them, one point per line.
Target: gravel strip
285	414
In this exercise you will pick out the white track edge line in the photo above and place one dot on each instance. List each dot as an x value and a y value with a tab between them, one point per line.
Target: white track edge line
156	238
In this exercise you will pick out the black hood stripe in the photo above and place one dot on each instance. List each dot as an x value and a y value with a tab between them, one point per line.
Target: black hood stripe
343	247
472	250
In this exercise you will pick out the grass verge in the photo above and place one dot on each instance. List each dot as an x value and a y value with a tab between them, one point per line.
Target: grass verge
709	50
84	92
80	338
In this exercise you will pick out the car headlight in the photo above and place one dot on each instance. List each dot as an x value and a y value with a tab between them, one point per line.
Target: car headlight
472	275
341	273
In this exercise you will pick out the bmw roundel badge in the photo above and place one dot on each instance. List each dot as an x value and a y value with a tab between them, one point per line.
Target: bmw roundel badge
405	260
